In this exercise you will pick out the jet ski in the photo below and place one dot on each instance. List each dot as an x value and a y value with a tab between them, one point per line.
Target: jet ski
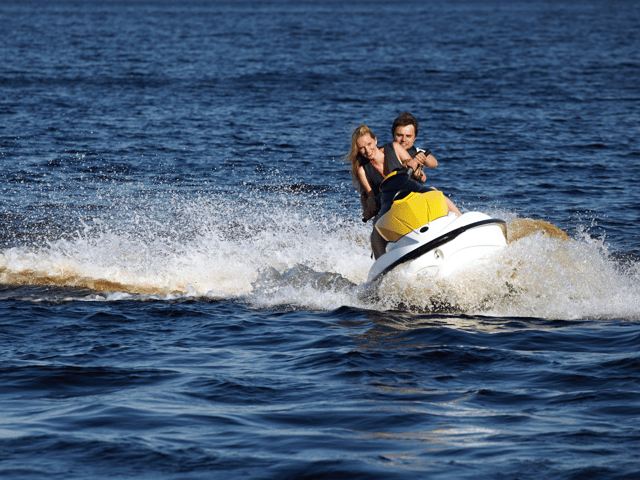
424	235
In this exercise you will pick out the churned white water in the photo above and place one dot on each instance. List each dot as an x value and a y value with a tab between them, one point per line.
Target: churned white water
274	254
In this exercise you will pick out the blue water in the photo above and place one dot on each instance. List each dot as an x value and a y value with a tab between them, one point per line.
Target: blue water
183	266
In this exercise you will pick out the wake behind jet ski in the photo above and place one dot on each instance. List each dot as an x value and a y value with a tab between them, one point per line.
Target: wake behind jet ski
423	233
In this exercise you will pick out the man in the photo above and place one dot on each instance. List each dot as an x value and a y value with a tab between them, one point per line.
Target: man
404	131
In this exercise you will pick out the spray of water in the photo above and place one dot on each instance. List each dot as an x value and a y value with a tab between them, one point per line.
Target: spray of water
274	253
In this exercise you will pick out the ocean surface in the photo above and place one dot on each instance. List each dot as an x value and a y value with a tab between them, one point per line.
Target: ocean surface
183	264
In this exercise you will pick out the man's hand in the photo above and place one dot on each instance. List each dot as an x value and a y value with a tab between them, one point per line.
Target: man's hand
419	175
426	160
421	157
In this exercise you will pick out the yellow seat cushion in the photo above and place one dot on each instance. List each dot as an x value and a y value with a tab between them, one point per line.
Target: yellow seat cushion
411	212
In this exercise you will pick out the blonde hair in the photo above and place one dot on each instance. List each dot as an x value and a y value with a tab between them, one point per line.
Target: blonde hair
353	156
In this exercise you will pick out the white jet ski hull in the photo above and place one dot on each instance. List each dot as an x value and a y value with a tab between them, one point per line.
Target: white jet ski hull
443	246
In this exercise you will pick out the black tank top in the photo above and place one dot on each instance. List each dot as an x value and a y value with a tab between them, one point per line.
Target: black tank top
374	177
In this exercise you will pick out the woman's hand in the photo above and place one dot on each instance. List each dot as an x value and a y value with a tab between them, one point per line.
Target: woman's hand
419	175
369	207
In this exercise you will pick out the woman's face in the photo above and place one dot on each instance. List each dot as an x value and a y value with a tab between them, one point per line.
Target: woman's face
367	146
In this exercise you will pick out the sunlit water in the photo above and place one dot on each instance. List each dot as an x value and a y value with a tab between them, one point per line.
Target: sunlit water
183	266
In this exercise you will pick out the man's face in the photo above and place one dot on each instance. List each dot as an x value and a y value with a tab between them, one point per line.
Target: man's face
405	136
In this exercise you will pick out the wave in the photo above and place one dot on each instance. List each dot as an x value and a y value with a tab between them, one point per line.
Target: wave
280	255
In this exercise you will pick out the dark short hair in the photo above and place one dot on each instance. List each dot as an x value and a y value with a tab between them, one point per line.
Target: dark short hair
403	120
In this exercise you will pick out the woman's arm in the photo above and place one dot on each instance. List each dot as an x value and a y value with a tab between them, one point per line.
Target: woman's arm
365	186
367	198
402	154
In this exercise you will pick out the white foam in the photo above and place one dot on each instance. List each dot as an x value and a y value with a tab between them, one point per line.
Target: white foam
535	276
277	253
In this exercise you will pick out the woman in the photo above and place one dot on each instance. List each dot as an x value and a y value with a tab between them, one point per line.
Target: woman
370	165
